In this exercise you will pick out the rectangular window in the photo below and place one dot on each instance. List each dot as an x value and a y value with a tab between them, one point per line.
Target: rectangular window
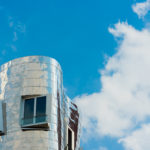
34	112
70	139
40	109
28	111
2	118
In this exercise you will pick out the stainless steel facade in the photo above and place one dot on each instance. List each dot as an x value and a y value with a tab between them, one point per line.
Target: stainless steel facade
37	76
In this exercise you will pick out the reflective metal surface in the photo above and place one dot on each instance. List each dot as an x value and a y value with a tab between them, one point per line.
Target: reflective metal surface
29	76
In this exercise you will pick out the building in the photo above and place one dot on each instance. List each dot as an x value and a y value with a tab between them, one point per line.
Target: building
35	113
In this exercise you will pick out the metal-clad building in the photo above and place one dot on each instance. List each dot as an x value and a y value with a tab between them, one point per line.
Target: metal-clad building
35	113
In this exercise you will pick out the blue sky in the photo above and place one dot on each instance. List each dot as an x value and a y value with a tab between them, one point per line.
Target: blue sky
73	32
84	36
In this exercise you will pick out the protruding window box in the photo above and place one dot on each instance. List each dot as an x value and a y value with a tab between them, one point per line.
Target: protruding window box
37	123
34	114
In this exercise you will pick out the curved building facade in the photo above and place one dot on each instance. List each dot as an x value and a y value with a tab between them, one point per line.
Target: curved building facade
35	113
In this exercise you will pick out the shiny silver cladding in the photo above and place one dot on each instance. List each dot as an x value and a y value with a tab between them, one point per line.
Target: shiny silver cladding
29	76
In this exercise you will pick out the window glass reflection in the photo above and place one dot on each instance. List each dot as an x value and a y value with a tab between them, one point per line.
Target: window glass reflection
28	110
40	109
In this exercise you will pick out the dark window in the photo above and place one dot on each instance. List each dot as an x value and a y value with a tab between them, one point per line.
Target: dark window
28	111
69	139
3	123
34	110
40	109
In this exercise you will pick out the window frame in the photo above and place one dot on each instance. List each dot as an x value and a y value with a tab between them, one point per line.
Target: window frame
24	98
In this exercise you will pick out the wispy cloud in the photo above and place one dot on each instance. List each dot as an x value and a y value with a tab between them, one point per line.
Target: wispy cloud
15	37
17	30
13	47
142	8
20	27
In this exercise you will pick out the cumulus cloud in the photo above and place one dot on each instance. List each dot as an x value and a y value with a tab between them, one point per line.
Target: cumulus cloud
123	102
138	140
121	108
142	8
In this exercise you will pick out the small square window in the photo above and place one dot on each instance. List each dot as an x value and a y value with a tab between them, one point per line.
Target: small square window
34	113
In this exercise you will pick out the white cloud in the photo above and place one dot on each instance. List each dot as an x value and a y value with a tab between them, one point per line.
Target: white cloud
15	37
123	102
18	29
103	148
142	8
16	26
11	23
13	47
138	140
